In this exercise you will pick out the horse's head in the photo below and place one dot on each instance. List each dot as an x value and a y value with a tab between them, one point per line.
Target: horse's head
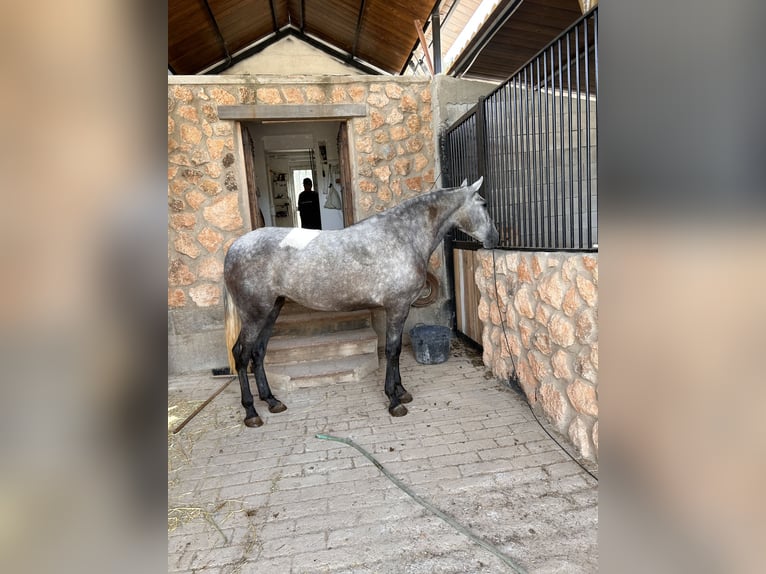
472	216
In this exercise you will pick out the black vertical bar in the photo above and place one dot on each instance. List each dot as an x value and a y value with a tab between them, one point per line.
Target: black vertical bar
569	126
517	163
527	174
436	39
481	126
499	186
537	158
595	48
547	152
579	138
555	177
488	144
532	160
562	150
506	166
587	133
491	146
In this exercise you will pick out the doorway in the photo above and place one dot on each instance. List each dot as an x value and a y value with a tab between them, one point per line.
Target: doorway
283	154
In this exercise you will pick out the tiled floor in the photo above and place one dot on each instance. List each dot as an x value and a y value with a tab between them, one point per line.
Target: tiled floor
276	499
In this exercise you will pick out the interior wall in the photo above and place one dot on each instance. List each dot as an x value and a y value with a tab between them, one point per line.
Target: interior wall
294	55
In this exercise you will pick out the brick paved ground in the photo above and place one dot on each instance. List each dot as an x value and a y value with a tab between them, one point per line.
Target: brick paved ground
275	499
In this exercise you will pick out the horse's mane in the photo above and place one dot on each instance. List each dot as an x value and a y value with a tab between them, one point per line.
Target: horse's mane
423	199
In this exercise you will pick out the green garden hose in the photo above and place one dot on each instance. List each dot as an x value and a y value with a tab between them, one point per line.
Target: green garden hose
427	505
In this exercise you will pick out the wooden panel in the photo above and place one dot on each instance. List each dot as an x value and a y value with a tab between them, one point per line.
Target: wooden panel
242	22
345	174
192	41
388	31
467	295
531	27
256	217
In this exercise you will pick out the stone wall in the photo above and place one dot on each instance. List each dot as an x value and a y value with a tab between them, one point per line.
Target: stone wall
392	157
548	304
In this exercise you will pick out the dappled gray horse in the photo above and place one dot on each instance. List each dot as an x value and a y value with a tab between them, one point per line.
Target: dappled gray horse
378	262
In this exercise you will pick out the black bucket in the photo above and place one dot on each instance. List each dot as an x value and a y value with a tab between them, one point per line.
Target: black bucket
430	343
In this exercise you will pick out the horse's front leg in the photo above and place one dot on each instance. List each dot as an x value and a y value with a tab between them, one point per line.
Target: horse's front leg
393	385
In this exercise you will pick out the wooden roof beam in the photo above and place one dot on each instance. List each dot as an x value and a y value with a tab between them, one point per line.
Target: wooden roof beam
358	28
273	16
218	33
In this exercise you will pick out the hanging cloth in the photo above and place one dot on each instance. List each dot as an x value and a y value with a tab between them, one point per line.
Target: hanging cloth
333	200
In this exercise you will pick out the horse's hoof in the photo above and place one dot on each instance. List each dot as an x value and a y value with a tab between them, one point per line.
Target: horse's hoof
255	421
279	407
406	397
398	411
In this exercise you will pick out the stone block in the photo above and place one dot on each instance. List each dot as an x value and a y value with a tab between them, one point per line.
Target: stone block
184	243
523	271
551	288
394	91
571	302
394	117
587	290
210	187
210	239
560	362
205	294
583	397
585	326
246	95
554	404
377	100
524	302
179	273
210	268
176	298
315	95
293	95
224	213
377	119
578	433
408	103
268	96
222	97
180	221
561	330
539	365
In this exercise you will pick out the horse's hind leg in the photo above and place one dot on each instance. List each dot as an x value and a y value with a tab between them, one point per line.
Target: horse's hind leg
242	352
259	352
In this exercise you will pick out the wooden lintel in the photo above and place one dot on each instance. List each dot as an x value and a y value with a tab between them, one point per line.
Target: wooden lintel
292	112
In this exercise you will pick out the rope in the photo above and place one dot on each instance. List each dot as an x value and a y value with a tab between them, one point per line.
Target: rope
427	505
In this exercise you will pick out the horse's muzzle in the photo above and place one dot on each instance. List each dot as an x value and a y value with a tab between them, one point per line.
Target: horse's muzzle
492	239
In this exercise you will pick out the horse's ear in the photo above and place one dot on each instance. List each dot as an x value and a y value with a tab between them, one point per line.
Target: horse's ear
465	183
476	184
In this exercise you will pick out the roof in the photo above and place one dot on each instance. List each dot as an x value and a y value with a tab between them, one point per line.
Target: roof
375	36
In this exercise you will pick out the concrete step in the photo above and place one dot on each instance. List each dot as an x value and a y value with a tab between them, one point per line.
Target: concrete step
287	349
302	321
321	371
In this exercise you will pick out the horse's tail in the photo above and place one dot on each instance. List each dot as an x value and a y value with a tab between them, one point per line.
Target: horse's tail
232	325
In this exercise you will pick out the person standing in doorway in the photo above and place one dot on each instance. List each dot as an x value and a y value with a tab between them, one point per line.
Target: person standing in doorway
308	206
